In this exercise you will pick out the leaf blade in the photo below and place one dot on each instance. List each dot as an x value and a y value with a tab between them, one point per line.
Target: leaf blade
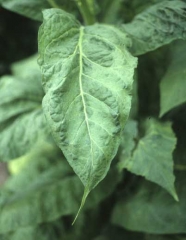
173	84
157	26
152	157
86	108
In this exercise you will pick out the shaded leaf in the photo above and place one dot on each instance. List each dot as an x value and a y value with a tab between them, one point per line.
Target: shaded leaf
109	10
150	209
173	84
157	26
87	80
164	237
114	232
128	142
152	157
46	189
32	8
22	121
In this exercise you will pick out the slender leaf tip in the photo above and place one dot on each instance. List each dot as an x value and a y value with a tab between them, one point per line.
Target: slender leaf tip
85	195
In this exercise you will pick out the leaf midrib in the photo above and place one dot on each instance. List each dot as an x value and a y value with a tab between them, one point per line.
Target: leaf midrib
81	89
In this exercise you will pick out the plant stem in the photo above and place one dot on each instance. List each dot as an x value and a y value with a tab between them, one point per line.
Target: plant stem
87	14
53	4
180	167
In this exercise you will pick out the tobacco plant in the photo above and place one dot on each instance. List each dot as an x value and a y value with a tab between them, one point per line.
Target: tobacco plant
93	125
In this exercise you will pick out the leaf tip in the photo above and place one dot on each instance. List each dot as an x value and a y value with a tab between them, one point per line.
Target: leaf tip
85	195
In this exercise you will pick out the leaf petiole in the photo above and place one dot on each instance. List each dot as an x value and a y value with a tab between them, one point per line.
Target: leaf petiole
53	4
86	12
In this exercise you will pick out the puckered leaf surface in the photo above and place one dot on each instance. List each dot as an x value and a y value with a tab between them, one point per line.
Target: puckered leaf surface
87	77
157	26
152	157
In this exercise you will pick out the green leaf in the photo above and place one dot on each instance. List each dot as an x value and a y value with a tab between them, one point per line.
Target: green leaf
157	26
152	157
128	142
22	121
150	209
46	189
48	231
32	8
163	237
87	77
26	68
109	10
173	84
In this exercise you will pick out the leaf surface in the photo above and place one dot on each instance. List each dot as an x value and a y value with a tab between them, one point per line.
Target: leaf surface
45	189
173	84
152	157
33	8
22	121
150	209
87	77
157	26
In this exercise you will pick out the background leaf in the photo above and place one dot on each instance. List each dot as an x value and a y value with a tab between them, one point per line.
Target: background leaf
157	26
152	157
87	80
173	84
109	11
33	8
150	209
128	142
22	122
46	189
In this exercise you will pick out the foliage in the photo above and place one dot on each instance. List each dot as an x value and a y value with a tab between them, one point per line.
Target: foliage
84	118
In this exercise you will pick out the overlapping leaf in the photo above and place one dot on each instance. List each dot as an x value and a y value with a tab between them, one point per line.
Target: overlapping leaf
33	8
157	26
150	209
21	118
45	189
152	157
87	76
173	84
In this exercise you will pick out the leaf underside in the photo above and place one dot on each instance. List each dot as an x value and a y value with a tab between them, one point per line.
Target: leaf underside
87	77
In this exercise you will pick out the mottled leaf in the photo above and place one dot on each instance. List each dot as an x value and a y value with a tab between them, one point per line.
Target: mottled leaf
173	84
150	209
87	77
152	157
156	26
